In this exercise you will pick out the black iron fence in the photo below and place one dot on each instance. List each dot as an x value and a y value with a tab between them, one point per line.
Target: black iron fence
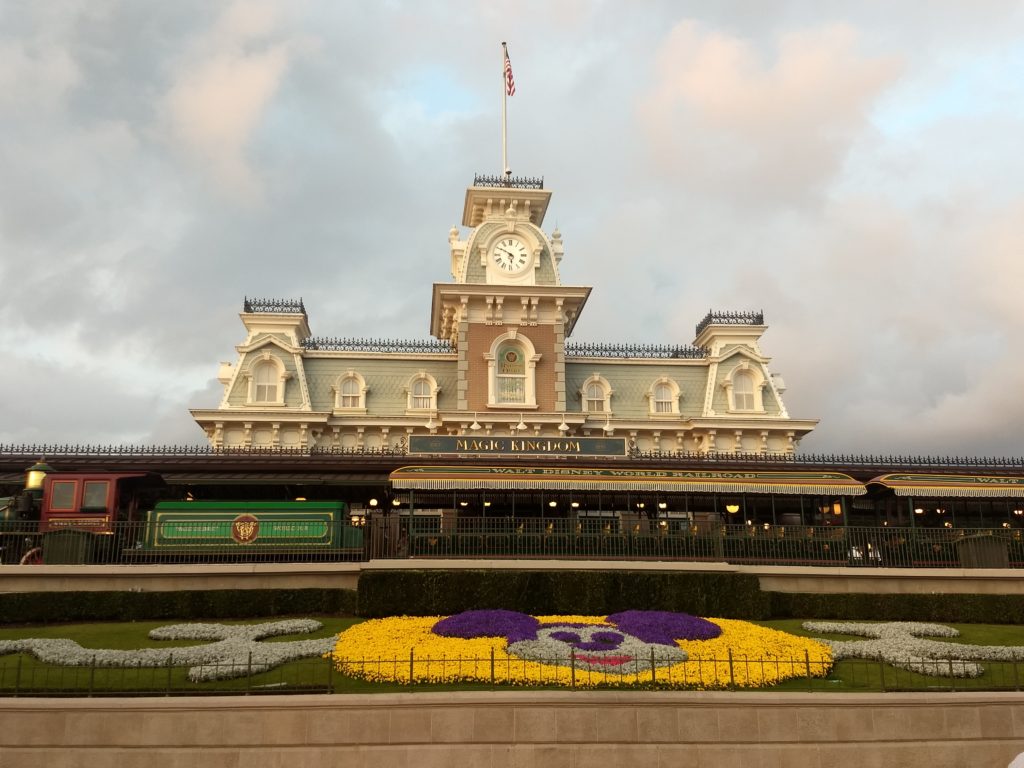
21	675
181	542
761	544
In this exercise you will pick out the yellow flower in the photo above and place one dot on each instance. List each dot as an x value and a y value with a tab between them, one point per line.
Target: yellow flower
404	649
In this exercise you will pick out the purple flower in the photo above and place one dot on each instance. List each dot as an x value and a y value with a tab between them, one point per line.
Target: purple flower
664	627
489	623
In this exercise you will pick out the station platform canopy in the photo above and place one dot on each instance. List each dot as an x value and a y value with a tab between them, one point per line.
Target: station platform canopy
977	486
652	480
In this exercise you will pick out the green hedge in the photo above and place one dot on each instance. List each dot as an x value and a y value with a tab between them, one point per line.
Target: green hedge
957	609
433	593
726	595
42	607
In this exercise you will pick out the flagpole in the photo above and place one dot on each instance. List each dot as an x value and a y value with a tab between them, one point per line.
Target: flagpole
504	109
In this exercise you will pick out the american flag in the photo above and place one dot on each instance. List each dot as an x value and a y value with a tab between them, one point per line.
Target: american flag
510	83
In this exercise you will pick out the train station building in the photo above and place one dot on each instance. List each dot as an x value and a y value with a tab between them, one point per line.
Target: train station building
500	363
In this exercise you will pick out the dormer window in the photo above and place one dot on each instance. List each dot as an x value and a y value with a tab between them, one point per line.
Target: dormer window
422	392
266	377
744	386
743	391
351	396
350	393
265	380
596	395
663	398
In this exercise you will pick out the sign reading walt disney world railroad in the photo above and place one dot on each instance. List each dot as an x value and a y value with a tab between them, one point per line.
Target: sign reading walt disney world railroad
458	445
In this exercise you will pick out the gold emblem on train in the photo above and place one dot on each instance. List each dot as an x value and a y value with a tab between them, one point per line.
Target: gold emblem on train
245	529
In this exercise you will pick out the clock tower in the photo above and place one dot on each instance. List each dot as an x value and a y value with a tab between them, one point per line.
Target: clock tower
507	313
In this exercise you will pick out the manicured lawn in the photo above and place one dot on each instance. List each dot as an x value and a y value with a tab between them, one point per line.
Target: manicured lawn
23	673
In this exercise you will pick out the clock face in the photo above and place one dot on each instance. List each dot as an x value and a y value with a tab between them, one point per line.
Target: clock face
510	254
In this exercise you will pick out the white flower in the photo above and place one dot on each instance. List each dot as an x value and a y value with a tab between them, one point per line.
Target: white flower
235	652
902	644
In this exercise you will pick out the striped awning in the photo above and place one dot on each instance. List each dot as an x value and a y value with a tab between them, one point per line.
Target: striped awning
978	486
588	479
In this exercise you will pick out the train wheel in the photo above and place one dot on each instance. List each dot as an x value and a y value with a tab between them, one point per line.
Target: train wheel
33	557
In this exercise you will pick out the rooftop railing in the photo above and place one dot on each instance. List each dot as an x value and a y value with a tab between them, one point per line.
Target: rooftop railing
274	306
511	182
637	351
729	318
386	346
1015	464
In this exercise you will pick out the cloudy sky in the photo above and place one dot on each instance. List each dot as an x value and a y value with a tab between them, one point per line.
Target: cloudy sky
853	169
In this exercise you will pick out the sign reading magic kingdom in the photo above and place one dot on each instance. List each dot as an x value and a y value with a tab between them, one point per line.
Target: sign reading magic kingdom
459	445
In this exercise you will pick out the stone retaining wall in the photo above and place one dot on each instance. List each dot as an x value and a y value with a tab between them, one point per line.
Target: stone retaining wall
520	728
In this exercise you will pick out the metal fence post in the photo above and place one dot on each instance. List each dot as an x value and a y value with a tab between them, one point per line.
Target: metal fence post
1016	680
17	676
248	675
732	677
572	666
881	673
654	680
330	674
807	666
92	674
170	666
492	667
411	662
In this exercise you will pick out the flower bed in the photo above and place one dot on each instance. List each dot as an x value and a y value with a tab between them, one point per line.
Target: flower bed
903	644
235	652
624	649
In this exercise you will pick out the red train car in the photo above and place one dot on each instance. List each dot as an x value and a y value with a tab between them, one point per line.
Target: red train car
75	517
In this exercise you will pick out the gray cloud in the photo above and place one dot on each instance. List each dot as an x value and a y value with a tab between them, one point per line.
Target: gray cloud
162	160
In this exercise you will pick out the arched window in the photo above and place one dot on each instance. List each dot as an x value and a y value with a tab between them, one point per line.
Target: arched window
510	375
596	395
663	397
744	386
421	397
743	391
350	392
511	370
422	392
265	378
